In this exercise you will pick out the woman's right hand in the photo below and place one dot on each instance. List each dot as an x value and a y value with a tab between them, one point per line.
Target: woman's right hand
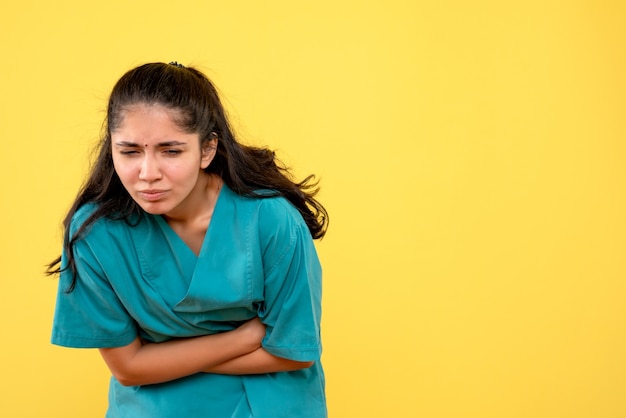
253	332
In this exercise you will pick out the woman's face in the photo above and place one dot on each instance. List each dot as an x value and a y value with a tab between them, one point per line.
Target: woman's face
160	165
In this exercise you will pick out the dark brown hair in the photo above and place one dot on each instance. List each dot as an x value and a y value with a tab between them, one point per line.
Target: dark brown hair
245	169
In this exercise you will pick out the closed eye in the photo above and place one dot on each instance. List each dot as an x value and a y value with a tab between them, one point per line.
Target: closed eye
172	152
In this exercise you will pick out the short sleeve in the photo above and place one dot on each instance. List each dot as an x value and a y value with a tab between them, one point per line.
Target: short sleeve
293	285
91	315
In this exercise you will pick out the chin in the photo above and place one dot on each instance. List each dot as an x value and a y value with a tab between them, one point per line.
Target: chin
154	209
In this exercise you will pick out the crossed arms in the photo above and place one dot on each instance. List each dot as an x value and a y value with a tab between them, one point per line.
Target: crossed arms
234	352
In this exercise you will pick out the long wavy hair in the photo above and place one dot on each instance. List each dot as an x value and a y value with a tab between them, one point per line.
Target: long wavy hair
245	169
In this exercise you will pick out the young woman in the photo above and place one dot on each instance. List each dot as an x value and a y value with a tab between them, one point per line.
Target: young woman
188	261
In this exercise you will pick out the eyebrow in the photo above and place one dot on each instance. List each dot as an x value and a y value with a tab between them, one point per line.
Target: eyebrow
130	144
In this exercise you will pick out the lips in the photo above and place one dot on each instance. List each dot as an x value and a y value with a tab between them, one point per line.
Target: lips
152	195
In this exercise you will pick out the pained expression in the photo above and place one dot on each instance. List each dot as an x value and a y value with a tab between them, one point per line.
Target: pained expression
159	164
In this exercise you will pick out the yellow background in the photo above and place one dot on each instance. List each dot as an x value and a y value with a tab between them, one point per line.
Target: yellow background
472	159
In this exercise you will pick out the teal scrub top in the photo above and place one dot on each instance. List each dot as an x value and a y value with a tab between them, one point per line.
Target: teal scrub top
257	259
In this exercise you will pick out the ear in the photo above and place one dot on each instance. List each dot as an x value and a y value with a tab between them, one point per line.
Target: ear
209	148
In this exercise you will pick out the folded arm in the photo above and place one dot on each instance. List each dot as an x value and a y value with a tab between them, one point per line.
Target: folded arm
144	364
257	362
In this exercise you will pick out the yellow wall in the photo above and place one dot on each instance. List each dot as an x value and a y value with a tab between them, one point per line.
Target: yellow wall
472	157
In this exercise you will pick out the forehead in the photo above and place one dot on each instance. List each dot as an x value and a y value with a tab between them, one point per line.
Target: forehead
149	112
150	123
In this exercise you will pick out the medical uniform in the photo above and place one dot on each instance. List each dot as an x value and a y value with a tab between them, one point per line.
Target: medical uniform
257	259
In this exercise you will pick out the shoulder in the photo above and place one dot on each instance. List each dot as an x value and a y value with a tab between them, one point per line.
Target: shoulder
284	237
266	208
94	228
81	216
280	211
279	217
281	228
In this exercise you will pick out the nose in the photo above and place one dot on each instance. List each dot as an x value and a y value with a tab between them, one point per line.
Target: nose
149	170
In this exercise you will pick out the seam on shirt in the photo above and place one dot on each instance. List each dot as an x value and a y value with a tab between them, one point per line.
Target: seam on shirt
293	225
292	241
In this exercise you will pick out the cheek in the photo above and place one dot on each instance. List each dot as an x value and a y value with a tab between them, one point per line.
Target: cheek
123	170
180	170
